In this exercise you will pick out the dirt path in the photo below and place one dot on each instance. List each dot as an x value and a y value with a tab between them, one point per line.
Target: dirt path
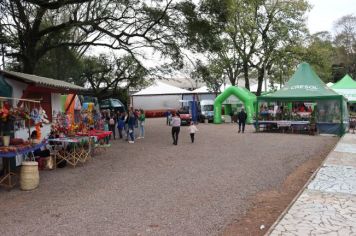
152	187
267	206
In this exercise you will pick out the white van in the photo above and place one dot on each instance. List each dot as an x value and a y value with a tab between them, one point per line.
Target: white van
206	110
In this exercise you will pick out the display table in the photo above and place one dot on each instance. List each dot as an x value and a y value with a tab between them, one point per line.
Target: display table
99	134
6	153
95	136
73	151
284	125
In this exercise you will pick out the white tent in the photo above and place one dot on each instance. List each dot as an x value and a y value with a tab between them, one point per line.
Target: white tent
329	84
205	89
159	97
160	88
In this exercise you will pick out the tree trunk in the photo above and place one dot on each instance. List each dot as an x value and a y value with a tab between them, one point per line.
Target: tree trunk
28	66
260	77
29	60
247	82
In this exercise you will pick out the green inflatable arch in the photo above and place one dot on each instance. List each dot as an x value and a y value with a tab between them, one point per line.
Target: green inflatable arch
243	94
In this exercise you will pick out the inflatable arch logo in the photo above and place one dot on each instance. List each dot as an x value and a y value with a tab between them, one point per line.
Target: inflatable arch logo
247	98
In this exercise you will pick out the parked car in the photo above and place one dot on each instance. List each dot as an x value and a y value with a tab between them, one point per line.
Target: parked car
185	116
112	104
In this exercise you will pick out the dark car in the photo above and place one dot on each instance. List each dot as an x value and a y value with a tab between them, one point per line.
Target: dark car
112	104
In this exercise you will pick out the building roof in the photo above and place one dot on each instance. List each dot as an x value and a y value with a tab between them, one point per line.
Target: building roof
41	81
183	83
160	88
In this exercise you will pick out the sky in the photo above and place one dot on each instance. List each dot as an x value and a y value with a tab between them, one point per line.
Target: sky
325	12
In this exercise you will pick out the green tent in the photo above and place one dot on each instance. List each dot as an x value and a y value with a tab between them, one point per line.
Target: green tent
346	87
306	86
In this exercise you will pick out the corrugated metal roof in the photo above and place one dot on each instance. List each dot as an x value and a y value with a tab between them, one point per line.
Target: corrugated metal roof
42	81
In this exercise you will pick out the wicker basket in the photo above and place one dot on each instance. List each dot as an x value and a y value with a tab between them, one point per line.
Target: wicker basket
29	178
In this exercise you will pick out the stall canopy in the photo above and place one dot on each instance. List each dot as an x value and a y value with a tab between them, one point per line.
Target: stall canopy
306	86
346	87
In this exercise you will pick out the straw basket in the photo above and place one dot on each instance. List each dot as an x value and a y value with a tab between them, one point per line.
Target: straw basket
29	178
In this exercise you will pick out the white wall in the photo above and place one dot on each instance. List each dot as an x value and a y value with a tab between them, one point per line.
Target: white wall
23	133
17	89
157	102
56	102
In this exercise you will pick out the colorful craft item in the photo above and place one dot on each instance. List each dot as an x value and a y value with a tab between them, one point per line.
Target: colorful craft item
38	130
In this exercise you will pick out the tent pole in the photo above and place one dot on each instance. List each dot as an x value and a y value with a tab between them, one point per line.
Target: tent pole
342	131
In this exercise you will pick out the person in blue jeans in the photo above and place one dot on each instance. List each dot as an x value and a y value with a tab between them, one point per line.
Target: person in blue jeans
131	126
142	119
121	124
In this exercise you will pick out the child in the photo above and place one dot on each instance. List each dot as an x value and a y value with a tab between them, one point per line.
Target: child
106	128
192	130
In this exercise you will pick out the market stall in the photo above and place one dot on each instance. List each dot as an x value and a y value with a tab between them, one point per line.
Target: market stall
15	149
304	104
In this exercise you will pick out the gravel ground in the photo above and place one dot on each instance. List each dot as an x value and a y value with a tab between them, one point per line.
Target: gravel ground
155	188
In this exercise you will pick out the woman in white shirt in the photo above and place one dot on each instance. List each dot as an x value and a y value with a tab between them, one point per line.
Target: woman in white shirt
175	123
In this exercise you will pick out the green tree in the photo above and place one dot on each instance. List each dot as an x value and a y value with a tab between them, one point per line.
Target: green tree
345	46
33	28
319	52
212	74
106	76
256	34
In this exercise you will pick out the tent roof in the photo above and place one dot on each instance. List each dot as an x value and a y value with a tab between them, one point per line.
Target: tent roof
160	88
345	83
203	89
346	87
329	84
304	84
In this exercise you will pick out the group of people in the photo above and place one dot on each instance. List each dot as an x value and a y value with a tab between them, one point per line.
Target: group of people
131	124
175	122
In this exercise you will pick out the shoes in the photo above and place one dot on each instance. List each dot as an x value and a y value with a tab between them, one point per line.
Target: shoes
131	141
138	138
239	131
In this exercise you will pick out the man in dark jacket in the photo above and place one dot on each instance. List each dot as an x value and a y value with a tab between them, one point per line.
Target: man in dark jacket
242	116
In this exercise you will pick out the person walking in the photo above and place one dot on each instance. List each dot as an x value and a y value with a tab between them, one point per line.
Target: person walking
175	128
192	130
242	116
112	127
141	120
131	126
121	124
